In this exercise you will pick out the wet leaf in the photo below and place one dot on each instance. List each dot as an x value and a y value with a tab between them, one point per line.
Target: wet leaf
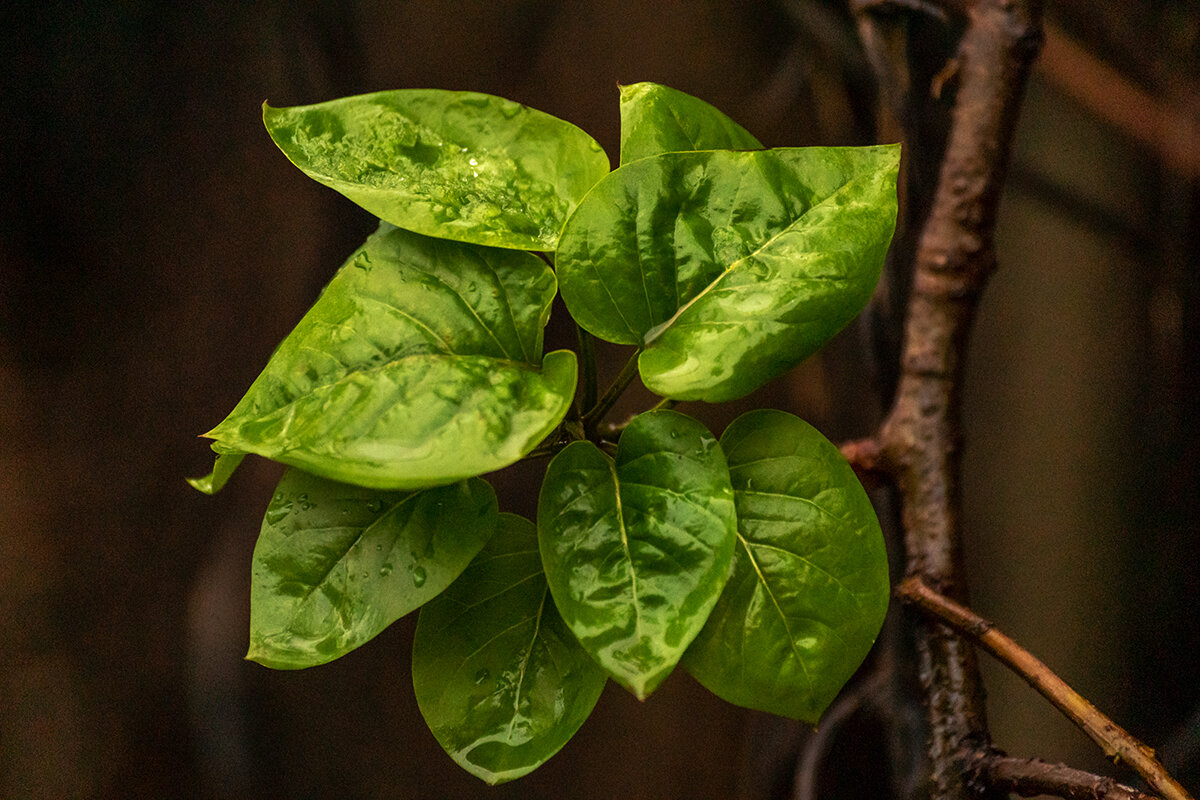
456	165
729	267
637	550
499	679
809	587
418	366
657	119
336	564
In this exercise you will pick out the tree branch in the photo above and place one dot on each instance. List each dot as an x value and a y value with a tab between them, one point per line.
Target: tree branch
1030	777
866	457
1116	742
920	437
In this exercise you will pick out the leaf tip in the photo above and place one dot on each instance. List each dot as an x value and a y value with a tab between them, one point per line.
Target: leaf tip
203	484
222	471
628	90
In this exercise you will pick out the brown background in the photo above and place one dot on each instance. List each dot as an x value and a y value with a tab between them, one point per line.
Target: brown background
154	246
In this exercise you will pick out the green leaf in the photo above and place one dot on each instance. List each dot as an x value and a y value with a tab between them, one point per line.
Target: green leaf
418	366
222	471
336	564
809	587
457	165
499	679
637	550
729	267
657	119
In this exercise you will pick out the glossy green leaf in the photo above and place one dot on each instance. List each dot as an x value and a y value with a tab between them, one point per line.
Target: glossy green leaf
637	550
499	679
729	267
223	469
336	564
657	119
456	165
809	587
418	366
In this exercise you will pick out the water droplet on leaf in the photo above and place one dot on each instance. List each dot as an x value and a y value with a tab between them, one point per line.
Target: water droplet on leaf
482	676
418	576
276	515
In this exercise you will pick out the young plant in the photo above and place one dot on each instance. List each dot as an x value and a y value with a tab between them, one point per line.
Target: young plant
755	560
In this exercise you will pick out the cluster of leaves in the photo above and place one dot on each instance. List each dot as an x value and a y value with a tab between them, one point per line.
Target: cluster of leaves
756	561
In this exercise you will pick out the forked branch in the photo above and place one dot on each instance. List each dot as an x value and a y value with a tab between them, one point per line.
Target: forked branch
920	438
1116	742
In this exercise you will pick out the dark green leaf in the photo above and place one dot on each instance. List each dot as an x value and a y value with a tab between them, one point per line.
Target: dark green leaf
729	267
637	550
500	680
336	564
418	366
809	587
457	165
657	119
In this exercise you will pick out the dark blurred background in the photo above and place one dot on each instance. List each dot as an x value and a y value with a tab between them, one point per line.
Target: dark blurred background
154	247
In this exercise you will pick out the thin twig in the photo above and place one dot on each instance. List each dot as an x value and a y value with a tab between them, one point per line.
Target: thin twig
612	430
1114	740
1171	132
1030	777
867	459
587	358
612	394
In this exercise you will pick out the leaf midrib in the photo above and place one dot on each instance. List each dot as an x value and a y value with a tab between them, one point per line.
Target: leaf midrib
762	579
291	404
537	627
333	565
660	329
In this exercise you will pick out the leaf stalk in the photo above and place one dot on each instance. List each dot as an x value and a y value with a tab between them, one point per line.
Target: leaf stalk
625	377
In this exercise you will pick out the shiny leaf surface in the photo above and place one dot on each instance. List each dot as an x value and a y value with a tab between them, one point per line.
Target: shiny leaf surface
223	469
456	165
657	119
637	550
336	564
499	679
418	366
809	587
729	267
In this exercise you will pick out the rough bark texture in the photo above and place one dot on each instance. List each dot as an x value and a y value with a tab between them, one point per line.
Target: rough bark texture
921	437
1029	777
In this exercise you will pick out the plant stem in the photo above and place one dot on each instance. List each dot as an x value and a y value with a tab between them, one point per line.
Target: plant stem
628	372
612	430
587	357
1114	740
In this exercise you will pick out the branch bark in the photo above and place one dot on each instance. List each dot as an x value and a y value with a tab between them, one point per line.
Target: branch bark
1116	742
1030	777
920	438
